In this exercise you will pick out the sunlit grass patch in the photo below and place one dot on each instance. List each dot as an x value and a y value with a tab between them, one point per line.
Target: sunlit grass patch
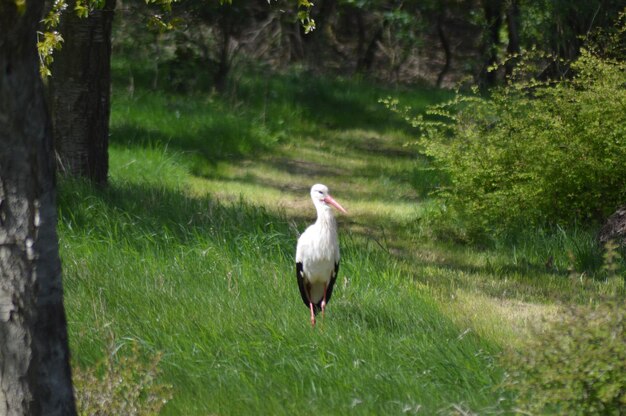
506	321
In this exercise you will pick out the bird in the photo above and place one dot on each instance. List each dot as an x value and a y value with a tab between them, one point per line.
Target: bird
317	253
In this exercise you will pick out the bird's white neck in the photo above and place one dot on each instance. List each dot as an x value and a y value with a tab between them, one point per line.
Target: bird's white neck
325	217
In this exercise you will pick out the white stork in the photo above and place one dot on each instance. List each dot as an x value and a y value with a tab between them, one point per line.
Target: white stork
317	253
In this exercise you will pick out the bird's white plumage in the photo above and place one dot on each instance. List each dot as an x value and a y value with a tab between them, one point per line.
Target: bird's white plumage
318	246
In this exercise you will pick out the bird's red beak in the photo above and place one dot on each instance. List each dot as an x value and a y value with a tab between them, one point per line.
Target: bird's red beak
329	200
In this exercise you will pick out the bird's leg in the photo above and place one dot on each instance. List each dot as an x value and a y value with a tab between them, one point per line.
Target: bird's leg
324	300
308	295
312	313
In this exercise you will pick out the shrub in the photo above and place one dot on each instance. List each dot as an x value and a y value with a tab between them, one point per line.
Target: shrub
534	153
120	385
577	366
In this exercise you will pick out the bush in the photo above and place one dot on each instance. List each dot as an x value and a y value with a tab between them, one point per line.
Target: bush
534	153
575	367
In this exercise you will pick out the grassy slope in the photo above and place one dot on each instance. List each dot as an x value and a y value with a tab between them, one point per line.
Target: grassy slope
190	253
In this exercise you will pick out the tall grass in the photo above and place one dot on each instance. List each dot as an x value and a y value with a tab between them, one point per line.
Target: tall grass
211	287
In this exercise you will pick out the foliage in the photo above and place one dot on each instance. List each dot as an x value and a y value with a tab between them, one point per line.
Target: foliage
304	15
533	152
610	42
83	8
50	39
577	366
121	385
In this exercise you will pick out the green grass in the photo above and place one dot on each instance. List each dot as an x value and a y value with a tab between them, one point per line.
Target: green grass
211	286
189	253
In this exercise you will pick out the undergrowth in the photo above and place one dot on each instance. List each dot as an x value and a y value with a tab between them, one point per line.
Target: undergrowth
574	365
532	153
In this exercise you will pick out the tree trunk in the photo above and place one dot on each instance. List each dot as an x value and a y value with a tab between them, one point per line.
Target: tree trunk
80	90
445	44
513	24
367	60
223	66
493	18
319	43
361	38
327	12
367	53
295	42
34	355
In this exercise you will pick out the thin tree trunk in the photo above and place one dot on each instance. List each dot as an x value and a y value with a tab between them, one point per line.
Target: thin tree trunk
360	49
223	68
319	42
513	24
370	53
493	17
327	12
445	44
80	90
295	41
34	355
367	54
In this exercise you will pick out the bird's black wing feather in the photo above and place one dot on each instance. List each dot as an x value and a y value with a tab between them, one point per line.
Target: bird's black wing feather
331	284
300	277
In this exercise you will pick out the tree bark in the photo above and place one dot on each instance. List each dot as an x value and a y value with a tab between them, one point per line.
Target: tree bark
367	60
80	90
34	355
327	12
367	53
223	66
513	24
493	18
445	44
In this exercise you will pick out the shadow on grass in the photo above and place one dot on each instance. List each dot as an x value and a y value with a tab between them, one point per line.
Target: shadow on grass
446	267
338	103
213	143
263	111
153	217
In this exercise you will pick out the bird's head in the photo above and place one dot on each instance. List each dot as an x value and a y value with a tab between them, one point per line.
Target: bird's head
321	197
